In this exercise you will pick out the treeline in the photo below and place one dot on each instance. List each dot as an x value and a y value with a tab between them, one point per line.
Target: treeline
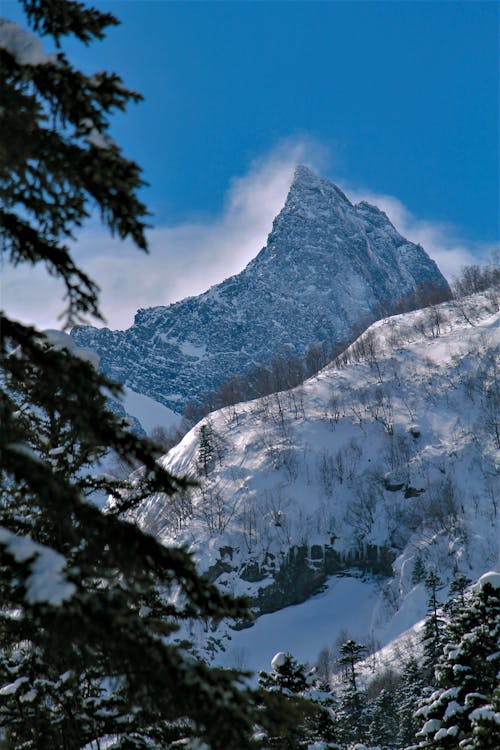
475	278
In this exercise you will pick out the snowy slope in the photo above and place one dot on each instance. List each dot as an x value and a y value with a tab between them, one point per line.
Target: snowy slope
328	265
387	457
148	412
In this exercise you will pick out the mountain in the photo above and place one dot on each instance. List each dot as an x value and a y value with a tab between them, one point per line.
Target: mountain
327	267
380	469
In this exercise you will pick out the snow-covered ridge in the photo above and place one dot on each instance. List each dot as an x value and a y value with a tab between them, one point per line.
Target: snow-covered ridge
328	265
380	466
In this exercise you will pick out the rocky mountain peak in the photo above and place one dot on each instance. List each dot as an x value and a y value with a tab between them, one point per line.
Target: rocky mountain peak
328	266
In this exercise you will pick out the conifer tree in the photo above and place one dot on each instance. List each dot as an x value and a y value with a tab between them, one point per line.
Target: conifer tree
463	712
206	449
432	638
408	697
353	717
312	704
383	725
350	653
287	675
86	651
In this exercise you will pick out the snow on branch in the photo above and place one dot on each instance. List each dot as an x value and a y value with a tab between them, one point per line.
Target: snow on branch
46	583
25	48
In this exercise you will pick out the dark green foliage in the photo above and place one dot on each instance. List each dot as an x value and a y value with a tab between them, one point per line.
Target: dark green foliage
352	715
383	723
89	602
458	587
51	170
287	675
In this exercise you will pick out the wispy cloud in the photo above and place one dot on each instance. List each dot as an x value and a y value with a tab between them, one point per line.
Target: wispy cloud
184	259
187	258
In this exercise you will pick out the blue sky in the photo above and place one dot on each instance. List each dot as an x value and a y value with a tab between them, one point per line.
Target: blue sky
397	99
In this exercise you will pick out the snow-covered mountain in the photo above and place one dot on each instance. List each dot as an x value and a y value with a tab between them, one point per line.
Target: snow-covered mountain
383	467
328	265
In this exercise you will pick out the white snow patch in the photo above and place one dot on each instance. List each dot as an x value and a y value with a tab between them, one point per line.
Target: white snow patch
346	604
149	412
25	48
430	726
46	582
492	577
191	350
60	340
278	660
13	687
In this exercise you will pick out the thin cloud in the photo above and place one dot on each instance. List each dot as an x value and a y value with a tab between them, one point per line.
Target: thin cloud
187	258
184	259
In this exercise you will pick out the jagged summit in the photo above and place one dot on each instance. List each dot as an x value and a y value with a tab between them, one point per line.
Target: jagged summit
305	178
327	266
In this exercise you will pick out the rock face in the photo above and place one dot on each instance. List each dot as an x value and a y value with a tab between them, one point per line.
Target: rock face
327	266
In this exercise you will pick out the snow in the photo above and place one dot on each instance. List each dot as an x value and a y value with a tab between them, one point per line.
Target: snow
192	350
485	714
430	726
99	140
317	277
148	412
346	604
329	476
60	340
13	687
46	583
492	578
453	708
22	45
278	660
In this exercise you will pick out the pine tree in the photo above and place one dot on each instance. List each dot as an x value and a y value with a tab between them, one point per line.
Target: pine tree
463	712
206	449
312	704
88	612
383	726
350	653
408	697
287	675
433	625
353	718
418	572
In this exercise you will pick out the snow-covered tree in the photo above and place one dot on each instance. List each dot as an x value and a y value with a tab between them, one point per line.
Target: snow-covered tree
383	721
286	675
89	602
464	712
408	697
311	701
352	716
